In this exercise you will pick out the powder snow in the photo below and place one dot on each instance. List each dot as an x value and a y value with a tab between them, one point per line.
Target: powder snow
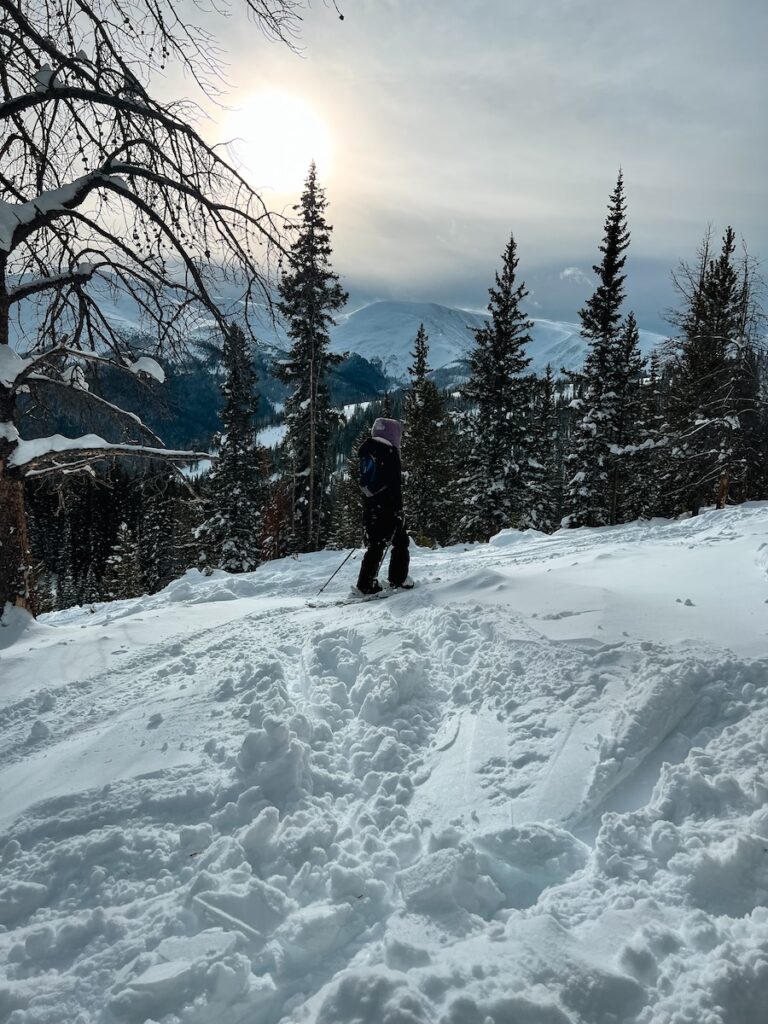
530	791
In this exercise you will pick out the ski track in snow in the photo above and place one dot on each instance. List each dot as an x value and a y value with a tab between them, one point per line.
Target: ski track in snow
533	792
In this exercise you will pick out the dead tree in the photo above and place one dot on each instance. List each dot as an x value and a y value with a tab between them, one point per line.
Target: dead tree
105	190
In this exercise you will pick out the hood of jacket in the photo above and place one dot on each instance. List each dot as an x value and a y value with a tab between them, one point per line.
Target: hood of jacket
389	431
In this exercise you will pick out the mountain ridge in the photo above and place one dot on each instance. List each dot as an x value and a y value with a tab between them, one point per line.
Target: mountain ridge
382	332
385	330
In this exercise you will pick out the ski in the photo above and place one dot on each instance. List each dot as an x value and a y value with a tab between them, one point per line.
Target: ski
363	598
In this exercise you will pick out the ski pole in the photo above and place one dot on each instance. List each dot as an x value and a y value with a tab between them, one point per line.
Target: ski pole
382	559
338	570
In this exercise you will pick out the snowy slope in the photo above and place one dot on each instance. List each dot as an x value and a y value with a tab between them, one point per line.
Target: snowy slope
531	791
386	331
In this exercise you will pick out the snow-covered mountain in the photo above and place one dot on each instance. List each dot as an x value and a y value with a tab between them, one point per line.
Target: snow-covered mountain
533	789
386	331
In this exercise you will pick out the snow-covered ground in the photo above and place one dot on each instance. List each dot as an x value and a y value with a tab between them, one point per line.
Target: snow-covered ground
532	791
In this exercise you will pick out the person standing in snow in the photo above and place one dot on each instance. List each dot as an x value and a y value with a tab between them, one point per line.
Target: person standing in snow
383	522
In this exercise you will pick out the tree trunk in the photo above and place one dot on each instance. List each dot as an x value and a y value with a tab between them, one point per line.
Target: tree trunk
722	490
15	571
614	494
312	428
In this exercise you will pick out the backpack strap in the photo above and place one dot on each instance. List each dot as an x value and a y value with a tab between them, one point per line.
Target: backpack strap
371	482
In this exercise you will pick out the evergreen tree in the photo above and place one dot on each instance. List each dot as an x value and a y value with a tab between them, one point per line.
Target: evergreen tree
713	393
90	592
122	573
276	532
157	536
643	494
347	515
601	315
66	579
601	418
427	453
750	400
235	490
309	295
545	473
187	516
498	394
46	589
630	435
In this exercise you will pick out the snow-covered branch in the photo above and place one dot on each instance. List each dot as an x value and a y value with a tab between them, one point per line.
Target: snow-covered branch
79	274
48	454
19	220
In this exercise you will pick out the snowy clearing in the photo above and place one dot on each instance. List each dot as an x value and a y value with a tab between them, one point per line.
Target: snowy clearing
531	791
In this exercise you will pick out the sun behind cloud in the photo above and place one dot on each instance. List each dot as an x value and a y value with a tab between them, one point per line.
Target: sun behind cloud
273	137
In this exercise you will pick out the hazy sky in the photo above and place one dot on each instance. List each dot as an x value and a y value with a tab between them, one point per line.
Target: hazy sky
449	124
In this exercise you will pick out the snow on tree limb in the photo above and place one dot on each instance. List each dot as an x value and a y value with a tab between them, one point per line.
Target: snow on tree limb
81	273
40	454
17	220
149	366
11	366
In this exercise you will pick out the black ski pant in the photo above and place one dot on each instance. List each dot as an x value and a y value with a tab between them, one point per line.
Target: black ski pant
378	535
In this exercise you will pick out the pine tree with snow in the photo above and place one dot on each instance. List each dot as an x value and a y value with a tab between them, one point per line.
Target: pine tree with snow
158	535
751	385
66	577
46	589
276	528
544	474
498	393
185	512
90	591
428	458
122	573
631	438
711	400
235	486
600	416
188	517
643	494
310	294
347	515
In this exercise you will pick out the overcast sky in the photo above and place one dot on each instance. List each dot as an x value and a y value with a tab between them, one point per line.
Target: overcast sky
453	123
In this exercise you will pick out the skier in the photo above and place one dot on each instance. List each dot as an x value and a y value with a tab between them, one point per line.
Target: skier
383	522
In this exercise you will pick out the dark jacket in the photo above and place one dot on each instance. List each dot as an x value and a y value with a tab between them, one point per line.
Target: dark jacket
381	483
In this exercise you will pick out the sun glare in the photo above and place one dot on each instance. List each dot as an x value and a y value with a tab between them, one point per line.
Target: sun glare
274	136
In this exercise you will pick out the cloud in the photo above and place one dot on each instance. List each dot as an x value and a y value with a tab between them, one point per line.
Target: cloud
453	125
575	274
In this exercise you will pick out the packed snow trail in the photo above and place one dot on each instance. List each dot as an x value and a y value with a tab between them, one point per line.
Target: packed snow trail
533	791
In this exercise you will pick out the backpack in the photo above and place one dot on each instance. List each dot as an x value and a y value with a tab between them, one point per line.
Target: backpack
370	476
